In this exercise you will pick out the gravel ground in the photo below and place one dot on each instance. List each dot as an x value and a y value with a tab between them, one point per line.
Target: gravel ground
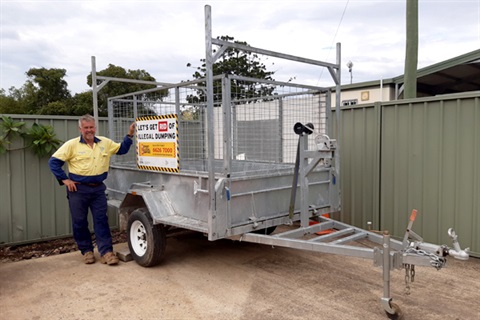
231	280
43	249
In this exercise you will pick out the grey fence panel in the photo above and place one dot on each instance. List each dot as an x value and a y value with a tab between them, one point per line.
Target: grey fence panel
5	200
418	154
33	206
430	161
359	164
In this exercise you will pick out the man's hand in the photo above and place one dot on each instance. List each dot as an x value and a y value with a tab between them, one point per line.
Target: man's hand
132	129
71	185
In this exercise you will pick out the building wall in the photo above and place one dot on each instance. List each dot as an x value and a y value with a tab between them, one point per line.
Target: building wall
368	94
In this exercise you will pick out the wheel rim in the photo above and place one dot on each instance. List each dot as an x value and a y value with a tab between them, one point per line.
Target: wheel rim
138	238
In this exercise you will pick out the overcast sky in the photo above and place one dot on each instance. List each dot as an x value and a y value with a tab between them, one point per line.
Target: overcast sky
161	37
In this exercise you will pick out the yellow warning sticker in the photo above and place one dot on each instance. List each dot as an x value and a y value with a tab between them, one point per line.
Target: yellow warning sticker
157	149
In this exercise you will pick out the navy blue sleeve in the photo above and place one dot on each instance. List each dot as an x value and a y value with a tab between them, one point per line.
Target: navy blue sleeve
125	145
56	168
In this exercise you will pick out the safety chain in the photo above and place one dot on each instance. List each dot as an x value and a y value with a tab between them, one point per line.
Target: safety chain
435	261
409	277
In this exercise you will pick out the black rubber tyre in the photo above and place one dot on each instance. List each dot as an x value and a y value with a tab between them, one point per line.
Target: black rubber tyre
398	315
146	241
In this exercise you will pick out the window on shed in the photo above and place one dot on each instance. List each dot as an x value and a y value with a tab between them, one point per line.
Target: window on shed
350	102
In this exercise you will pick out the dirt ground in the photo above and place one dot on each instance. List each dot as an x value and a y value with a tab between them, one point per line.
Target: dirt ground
43	249
231	280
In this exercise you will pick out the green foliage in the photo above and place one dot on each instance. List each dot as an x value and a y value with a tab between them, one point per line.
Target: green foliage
44	86
56	107
9	129
43	141
115	88
3	145
41	138
82	103
13	102
241	63
51	85
46	92
8	104
26	97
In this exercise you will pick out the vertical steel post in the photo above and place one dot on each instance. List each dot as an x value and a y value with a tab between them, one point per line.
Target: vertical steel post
227	125
177	101
234	136
303	181
386	273
280	157
227	142
135	107
179	116
95	91
210	122
328	115
224	223
386	264
111	129
338	115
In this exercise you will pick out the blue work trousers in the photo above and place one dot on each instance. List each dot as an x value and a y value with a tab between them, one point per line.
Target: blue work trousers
93	198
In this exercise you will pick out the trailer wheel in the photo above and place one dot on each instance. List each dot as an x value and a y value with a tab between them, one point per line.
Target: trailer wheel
146	241
398	315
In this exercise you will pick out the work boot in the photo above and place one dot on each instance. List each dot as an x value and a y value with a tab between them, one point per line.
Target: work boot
109	258
88	257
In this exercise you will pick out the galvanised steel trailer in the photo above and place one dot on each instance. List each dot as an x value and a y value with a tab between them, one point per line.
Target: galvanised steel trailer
225	156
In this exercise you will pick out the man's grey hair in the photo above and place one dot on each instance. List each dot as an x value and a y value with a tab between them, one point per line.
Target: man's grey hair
86	118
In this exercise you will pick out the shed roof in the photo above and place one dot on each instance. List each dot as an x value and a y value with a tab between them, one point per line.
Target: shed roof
459	74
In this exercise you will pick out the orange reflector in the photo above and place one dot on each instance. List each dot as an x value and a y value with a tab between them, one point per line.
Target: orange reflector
326	215
413	215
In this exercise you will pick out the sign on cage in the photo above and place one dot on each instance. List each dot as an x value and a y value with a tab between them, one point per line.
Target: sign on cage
157	143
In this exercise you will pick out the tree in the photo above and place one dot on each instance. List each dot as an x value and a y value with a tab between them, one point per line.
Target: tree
19	101
8	104
57	108
241	63
114	88
46	92
82	103
50	87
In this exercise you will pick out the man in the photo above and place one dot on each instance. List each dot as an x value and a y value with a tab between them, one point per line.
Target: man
88	159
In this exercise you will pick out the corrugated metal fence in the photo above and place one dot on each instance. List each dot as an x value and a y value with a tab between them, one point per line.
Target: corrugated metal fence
33	206
396	156
414	154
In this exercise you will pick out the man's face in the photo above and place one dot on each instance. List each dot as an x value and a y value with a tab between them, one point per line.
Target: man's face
87	129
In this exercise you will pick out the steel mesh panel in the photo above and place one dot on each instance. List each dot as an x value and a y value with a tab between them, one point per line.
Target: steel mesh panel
254	125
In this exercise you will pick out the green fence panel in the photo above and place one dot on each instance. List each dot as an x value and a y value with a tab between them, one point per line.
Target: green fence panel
429	162
33	206
414	154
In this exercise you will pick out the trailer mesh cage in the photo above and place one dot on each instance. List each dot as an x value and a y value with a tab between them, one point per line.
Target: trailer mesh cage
253	121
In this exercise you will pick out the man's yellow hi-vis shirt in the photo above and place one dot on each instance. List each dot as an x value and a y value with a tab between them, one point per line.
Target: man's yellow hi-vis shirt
86	164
